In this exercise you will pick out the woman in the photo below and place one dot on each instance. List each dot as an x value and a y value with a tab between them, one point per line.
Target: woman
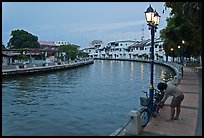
170	89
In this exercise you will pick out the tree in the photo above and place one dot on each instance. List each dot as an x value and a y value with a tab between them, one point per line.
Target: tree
71	51
22	57
21	39
83	54
185	23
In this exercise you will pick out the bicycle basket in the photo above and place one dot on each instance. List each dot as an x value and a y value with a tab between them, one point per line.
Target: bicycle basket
144	101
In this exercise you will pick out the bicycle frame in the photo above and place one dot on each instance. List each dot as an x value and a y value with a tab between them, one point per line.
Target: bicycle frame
150	110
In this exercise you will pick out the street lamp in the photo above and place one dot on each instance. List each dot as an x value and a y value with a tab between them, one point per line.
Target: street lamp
172	53
152	18
178	53
183	42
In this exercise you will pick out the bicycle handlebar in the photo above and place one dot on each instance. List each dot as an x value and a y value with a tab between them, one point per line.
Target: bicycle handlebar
145	93
154	90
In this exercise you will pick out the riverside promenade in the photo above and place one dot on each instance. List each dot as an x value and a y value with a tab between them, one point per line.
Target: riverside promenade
190	119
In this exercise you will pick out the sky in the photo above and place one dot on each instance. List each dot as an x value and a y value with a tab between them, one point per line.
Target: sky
80	22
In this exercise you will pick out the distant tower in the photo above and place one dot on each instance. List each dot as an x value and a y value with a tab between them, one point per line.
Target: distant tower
142	32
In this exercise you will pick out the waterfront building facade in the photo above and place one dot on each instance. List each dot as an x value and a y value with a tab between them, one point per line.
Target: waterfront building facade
127	49
48	52
94	49
11	57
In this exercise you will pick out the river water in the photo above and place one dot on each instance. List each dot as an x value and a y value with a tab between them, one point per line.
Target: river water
93	100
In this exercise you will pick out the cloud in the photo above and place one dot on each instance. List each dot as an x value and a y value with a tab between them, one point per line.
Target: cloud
105	26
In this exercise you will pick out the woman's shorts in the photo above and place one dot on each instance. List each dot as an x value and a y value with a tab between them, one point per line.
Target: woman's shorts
176	101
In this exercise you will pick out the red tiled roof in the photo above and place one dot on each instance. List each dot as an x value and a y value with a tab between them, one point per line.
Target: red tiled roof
47	43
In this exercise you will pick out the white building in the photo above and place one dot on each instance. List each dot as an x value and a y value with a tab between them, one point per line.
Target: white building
119	49
127	50
58	43
94	49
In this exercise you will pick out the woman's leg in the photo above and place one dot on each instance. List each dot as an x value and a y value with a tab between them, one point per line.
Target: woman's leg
178	110
172	112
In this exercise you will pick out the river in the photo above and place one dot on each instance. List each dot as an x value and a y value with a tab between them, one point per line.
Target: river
92	100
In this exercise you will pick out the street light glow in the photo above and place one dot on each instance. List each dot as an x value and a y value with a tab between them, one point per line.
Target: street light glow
183	42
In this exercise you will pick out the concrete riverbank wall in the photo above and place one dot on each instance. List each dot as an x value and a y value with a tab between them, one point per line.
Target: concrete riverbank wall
176	68
36	68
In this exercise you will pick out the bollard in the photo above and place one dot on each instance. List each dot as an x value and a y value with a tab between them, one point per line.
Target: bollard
175	81
134	128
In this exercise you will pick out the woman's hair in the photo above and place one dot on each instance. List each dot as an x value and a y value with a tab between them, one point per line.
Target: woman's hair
162	86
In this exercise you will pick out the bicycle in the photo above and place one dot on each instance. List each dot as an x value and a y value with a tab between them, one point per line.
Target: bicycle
146	113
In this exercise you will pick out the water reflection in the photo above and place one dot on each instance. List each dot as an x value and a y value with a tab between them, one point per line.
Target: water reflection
132	65
141	71
166	75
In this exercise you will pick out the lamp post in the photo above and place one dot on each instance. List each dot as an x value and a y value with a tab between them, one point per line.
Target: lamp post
152	18
172	54
178	53
183	42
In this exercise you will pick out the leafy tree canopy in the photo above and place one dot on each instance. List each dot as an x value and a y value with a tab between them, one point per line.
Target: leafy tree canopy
71	51
21	39
185	23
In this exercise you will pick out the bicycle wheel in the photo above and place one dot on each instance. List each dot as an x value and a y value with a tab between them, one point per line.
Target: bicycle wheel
145	115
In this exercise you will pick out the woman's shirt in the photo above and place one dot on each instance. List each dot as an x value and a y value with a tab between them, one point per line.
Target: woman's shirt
171	90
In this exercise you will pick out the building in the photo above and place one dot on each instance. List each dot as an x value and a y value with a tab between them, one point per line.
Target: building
6	59
48	45
12	57
119	49
59	43
94	49
127	49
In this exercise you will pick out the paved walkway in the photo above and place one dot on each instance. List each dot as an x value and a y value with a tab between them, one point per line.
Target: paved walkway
190	119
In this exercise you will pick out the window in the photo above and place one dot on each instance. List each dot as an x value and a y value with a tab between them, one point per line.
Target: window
141	48
121	44
113	43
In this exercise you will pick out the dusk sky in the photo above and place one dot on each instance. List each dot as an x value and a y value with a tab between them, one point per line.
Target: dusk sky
80	22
